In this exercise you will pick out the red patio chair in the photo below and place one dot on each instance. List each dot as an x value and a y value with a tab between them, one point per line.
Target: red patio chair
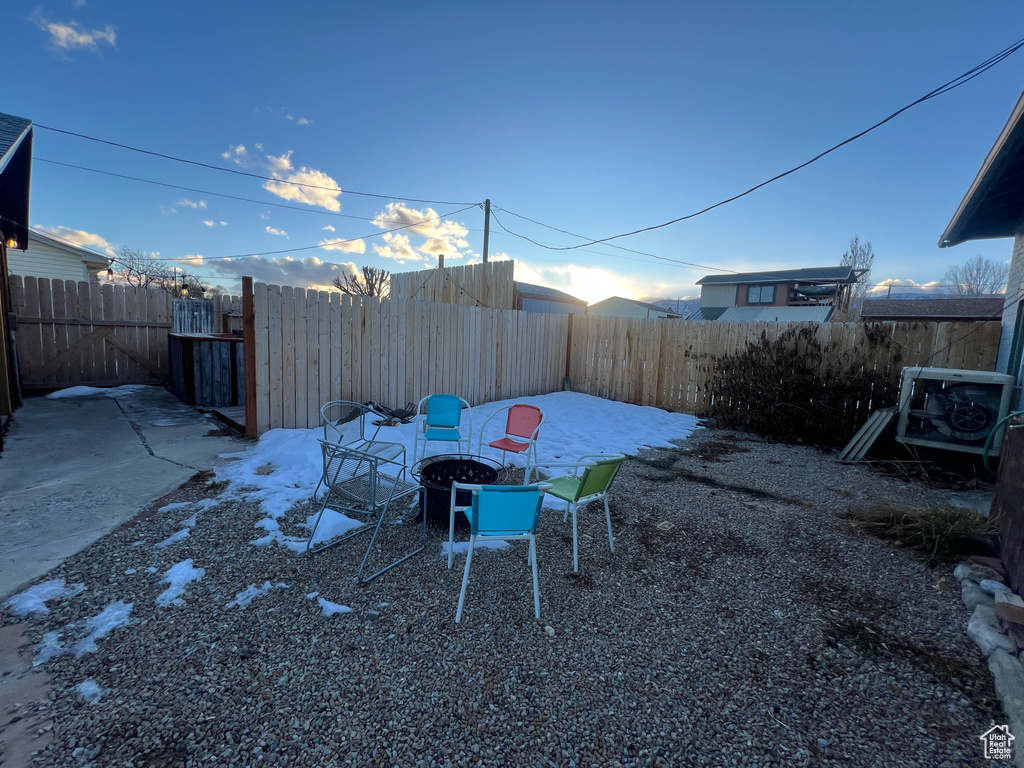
522	426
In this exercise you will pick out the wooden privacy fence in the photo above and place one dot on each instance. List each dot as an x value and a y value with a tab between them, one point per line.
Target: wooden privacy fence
671	363
473	285
311	347
70	333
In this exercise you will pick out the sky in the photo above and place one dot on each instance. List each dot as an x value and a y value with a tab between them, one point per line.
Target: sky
594	118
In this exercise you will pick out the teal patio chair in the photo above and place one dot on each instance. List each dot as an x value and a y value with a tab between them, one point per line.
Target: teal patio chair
502	513
591	478
440	420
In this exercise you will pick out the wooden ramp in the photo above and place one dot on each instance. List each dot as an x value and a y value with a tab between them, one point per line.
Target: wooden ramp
233	415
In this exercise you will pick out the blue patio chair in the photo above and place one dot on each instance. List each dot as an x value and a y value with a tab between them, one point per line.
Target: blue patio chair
440	420
502	513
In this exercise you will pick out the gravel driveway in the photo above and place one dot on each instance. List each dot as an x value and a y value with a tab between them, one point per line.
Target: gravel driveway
738	623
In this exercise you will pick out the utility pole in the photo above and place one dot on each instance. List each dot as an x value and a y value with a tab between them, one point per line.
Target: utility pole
487	226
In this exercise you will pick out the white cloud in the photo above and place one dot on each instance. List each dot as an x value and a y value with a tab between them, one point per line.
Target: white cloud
81	238
442	235
191	260
238	154
212	223
190	204
345	246
904	286
321	189
397	248
309	272
73	35
278	232
328	228
265	215
303	121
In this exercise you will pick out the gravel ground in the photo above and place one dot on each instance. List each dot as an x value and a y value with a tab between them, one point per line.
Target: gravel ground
750	628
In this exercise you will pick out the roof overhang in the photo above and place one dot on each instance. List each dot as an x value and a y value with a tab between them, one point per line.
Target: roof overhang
15	176
993	205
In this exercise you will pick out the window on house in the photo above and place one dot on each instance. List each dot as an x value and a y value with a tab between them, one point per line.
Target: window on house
761	294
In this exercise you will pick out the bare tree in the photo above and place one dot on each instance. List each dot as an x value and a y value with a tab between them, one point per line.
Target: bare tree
372	282
146	270
978	277
861	257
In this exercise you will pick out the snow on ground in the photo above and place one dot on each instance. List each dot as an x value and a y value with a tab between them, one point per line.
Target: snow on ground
575	424
33	599
189	523
329	608
115	615
246	596
90	692
178	576
101	391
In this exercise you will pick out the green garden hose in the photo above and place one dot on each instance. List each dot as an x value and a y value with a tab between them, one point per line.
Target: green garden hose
991	436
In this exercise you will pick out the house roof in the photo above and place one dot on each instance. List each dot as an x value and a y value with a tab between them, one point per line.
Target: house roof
706	313
959	308
643	304
89	257
805	275
15	169
548	293
776	314
992	206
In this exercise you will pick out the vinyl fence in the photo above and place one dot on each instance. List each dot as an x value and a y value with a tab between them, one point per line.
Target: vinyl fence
311	347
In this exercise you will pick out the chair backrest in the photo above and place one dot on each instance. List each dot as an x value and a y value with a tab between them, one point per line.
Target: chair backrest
343	421
444	411
342	463
598	478
506	510
523	420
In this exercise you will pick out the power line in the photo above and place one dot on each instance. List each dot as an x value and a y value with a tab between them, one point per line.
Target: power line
942	89
237	172
209	193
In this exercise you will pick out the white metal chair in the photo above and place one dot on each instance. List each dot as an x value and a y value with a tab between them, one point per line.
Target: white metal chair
344	423
440	419
591	479
501	513
364	484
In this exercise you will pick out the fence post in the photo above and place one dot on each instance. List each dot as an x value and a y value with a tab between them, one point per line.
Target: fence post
566	384
249	354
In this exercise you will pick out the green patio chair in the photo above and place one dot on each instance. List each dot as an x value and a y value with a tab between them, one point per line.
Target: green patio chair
592	477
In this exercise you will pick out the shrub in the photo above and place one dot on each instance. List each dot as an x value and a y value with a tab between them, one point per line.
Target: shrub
936	535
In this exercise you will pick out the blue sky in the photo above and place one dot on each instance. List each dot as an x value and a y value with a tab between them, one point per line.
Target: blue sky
596	118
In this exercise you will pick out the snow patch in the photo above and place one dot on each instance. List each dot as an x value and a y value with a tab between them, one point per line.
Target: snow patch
117	614
90	692
243	598
33	599
178	576
329	609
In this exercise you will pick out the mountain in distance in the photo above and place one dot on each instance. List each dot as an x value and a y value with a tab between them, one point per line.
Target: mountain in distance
684	307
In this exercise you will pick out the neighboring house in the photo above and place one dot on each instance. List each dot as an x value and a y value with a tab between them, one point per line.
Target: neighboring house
616	306
547	301
960	309
789	295
15	173
992	208
57	260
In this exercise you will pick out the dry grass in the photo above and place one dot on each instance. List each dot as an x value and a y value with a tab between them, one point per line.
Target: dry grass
937	534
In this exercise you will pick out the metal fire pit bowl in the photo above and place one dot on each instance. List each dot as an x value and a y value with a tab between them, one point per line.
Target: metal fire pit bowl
437	473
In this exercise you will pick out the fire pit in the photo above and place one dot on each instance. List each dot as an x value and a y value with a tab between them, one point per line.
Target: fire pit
437	473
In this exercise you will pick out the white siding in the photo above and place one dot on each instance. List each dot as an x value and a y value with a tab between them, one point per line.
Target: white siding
1014	292
718	295
42	260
